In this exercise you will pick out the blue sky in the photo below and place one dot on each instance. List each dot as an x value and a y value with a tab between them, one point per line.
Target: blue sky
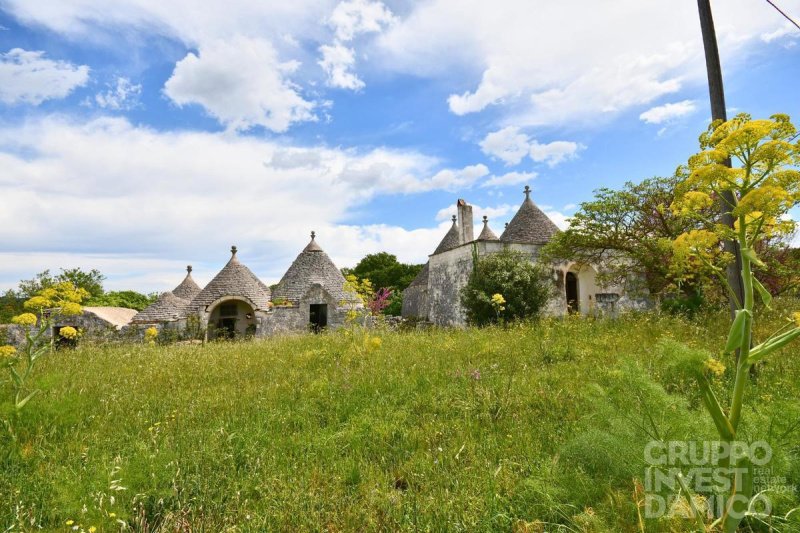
142	136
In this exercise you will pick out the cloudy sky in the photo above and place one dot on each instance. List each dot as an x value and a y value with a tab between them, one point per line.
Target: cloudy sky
137	136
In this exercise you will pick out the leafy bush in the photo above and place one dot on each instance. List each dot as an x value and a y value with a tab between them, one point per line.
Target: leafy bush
522	284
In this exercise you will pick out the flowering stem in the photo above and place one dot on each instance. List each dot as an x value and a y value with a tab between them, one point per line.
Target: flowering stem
742	364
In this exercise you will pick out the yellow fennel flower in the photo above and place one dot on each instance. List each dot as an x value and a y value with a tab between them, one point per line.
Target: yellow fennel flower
150	334
71	308
7	351
796	317
25	319
714	367
68	332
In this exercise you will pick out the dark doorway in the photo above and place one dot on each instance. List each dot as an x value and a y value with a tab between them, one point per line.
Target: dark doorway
571	283
226	328
318	317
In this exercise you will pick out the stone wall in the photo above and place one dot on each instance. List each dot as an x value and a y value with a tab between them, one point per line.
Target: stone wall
415	301
296	318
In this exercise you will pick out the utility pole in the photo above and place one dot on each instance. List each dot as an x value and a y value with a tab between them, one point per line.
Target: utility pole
717	95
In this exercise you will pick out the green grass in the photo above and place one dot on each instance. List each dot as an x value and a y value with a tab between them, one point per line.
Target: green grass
474	430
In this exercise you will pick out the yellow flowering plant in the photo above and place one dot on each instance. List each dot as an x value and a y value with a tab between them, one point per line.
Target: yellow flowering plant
61	299
764	185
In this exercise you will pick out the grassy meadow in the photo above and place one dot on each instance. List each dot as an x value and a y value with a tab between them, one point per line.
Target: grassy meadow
535	427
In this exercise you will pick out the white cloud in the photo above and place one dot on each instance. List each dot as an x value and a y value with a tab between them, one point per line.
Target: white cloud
787	30
350	19
27	77
241	83
555	152
354	17
165	199
123	95
337	61
668	112
511	146
547	66
507	144
510	178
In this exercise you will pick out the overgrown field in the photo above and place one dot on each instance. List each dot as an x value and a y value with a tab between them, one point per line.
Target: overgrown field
537	427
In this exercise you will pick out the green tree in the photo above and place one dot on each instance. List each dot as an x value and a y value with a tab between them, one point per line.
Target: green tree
523	285
91	281
385	271
10	306
634	223
129	299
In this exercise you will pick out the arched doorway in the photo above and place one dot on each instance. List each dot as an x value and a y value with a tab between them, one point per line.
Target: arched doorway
231	319
571	286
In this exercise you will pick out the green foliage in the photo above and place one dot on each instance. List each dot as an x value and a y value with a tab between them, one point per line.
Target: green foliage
10	306
764	187
91	281
385	271
43	310
495	429
634	224
523	285
129	299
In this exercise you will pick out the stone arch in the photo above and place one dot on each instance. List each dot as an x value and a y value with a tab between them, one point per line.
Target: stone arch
231	317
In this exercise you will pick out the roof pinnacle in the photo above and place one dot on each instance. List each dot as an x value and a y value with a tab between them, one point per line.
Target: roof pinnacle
234	250
454	219
313	234
527	192
485	220
188	269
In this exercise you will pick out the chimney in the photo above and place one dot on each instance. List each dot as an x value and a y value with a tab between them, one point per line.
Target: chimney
465	221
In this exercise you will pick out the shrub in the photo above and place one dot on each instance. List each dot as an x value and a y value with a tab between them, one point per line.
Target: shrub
522	284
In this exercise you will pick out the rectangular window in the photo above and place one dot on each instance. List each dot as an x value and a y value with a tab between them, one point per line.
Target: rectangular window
227	310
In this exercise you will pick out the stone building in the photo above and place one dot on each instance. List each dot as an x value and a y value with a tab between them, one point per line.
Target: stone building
236	303
435	294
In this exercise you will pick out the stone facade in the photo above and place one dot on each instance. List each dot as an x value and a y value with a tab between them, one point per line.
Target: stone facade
435	295
235	303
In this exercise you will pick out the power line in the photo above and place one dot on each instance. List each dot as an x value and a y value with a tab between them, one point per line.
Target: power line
787	17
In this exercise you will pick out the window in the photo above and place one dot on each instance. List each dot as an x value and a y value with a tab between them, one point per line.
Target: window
227	310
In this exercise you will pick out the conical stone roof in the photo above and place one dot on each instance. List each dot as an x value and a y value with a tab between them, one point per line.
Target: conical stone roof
422	277
167	308
486	233
452	239
530	225
234	279
188	289
312	266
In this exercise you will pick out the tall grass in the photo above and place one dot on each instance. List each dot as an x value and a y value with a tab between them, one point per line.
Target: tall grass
536	427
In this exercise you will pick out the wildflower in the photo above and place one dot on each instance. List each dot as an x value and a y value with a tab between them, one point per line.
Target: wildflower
112	515
7	351
92	529
150	334
476	374
70	522
375	342
714	367
25	319
498	301
68	332
71	308
38	302
796	317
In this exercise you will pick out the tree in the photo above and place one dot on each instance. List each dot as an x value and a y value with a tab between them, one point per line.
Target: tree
129	299
523	285
634	224
385	271
91	281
